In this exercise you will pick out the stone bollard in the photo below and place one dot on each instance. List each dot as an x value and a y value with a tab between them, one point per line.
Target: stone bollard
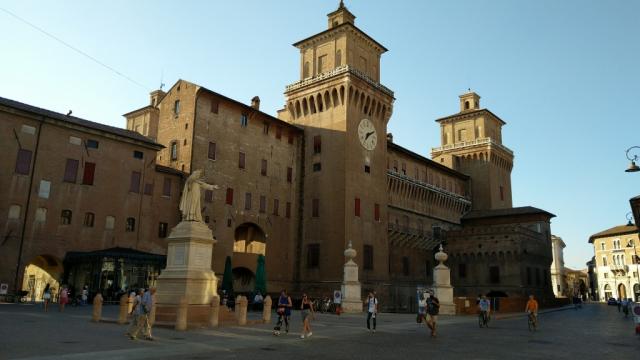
97	308
242	310
124	306
181	315
214	312
130	300
266	311
152	313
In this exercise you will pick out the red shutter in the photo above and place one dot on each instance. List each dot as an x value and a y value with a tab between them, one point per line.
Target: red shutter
89	171
23	162
357	207
376	212
263	169
229	199
289	174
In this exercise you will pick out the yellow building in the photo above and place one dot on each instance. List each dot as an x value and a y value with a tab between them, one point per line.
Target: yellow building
617	257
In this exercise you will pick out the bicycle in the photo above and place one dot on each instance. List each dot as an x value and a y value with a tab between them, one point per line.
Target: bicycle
532	322
483	319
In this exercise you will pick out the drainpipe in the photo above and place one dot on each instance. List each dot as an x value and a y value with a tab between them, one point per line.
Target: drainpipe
26	210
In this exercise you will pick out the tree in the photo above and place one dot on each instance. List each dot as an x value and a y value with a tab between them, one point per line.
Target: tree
227	278
261	276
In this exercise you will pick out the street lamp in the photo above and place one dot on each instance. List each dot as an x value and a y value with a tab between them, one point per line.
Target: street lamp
632	167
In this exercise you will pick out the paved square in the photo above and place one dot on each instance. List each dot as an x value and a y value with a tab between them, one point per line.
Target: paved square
594	332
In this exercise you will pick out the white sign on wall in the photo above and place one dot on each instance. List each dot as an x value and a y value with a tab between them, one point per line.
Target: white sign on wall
4	288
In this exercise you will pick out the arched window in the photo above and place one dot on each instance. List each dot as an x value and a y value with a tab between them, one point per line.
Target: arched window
131	224
89	219
65	217
305	70
466	105
338	58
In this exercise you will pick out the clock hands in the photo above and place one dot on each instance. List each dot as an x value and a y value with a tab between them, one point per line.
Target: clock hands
369	134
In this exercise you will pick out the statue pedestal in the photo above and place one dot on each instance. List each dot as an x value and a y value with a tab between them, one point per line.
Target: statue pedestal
188	274
442	284
443	290
351	289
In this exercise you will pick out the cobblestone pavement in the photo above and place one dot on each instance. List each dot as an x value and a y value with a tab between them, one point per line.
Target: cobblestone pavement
594	332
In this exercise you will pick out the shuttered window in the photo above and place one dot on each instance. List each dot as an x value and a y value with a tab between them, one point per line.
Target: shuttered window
71	171
89	171
23	162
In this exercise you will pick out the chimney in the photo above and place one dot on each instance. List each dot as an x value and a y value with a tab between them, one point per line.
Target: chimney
255	102
390	137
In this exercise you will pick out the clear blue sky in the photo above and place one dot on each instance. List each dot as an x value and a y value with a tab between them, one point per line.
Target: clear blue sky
564	75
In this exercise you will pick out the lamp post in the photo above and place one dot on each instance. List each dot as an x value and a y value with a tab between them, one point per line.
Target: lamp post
632	167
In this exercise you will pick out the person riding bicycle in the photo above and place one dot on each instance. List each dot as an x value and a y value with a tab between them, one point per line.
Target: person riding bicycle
484	305
532	308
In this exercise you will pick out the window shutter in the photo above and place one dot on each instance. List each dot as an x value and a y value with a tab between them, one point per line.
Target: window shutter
89	171
71	171
23	162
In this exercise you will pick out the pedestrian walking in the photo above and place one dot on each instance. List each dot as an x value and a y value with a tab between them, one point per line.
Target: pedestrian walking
307	315
257	301
147	304
284	312
625	307
85	295
372	310
46	297
64	298
619	303
433	308
140	317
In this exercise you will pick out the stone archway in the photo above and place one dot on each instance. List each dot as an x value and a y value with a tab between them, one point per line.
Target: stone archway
40	271
244	280
622	291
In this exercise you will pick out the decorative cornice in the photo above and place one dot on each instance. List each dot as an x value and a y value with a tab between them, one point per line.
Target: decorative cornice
340	70
472	143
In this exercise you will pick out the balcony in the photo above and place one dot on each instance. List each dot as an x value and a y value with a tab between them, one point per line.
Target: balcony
407	237
344	69
466	144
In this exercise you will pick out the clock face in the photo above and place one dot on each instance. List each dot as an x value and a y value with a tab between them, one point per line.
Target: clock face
367	134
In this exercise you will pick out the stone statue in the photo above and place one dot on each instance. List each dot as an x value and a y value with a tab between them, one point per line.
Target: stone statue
190	201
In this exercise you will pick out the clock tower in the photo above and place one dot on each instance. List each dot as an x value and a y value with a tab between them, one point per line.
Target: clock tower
344	111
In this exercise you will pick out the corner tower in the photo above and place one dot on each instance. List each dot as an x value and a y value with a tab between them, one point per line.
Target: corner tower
344	111
471	142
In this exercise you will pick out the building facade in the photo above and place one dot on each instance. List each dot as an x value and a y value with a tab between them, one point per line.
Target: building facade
617	262
323	173
557	266
74	185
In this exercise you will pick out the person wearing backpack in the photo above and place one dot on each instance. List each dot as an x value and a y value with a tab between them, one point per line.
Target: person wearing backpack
433	308
372	310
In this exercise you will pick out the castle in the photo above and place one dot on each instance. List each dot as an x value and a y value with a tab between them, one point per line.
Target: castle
296	188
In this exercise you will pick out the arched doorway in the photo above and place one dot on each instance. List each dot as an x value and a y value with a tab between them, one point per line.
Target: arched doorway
40	271
244	280
607	292
622	291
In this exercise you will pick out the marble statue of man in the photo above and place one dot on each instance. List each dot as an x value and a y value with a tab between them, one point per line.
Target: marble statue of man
190	201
